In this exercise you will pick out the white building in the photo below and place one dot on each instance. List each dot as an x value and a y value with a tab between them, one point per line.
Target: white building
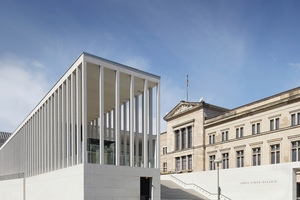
93	136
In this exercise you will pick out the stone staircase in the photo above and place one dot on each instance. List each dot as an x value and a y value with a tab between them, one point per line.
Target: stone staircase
172	191
173	188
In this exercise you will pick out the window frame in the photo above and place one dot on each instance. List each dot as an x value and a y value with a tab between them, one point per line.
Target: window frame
276	153
256	156
225	160
190	162
165	151
240	158
165	167
212	165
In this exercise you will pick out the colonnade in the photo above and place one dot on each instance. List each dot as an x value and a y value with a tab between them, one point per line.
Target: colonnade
56	133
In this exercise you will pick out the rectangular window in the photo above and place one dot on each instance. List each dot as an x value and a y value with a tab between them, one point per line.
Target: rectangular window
211	139
190	162
211	162
295	151
183	132
240	158
239	132
164	150
298	115
190	137
271	124
258	128
293	120
225	161
253	129
256	156
275	153
177	164
165	167
277	123
177	133
183	163
226	135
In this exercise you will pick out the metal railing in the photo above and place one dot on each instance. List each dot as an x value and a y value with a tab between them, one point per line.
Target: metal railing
198	188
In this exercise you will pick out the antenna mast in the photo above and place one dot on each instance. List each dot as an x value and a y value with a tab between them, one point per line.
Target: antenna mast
187	88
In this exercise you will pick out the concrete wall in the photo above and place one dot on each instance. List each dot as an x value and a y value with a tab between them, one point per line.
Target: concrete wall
11	189
63	184
274	182
109	182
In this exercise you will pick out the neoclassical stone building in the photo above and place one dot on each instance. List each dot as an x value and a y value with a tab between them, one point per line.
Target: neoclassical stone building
258	143
260	133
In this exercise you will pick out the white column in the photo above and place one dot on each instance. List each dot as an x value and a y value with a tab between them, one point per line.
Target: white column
145	116
51	133
59	132
150	128
92	125
117	118
42	139
63	134
101	115
68	119
157	126
33	144
78	109
125	131
30	147
137	135
84	111
131	121
48	135
109	126
55	130
105	126
114	124
73	118
45	146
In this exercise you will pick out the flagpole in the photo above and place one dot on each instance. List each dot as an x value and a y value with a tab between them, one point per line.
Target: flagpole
187	88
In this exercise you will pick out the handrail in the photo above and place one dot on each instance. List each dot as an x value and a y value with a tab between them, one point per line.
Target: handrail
199	189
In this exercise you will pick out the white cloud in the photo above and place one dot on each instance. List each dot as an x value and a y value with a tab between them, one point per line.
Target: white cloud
295	65
140	63
22	85
37	64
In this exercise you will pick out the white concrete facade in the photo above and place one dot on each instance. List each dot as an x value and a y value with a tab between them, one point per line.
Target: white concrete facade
266	182
91	115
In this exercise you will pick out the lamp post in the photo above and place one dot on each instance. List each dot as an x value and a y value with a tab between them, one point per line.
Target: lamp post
218	162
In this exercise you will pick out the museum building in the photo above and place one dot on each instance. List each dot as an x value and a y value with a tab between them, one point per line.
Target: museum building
93	136
257	143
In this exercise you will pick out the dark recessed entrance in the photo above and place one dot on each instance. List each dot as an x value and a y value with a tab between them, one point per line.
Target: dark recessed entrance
145	188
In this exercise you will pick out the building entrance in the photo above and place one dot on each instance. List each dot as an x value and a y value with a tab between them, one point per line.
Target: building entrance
145	188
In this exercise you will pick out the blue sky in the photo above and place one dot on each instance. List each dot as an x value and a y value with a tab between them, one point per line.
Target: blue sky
235	52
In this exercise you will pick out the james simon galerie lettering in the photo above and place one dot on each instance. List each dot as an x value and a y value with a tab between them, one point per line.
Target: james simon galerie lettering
258	182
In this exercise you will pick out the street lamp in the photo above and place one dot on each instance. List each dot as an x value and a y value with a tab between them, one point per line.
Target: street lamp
218	162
